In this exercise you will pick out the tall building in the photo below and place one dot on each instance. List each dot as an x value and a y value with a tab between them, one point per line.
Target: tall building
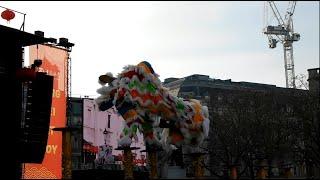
248	110
75	121
313	79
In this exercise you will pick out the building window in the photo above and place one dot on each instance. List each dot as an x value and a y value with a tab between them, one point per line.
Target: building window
109	116
289	108
220	111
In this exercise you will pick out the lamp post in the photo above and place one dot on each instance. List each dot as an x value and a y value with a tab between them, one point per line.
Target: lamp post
105	135
106	131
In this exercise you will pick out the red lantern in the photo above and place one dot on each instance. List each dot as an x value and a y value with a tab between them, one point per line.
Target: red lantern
7	15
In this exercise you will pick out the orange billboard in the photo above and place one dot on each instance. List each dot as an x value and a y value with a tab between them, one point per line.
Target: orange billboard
54	63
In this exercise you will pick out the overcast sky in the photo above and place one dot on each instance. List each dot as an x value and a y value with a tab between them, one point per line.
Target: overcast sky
221	39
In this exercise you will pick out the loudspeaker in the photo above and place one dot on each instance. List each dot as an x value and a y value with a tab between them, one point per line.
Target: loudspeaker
36	111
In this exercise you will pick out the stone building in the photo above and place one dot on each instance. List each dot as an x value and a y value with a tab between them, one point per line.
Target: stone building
313	80
243	113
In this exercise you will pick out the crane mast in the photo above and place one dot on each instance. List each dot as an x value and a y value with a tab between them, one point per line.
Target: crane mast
285	34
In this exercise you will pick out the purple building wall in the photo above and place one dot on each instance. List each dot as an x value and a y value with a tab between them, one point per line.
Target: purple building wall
95	122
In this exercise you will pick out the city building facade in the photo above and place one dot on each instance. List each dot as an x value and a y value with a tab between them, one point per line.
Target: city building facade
247	110
95	135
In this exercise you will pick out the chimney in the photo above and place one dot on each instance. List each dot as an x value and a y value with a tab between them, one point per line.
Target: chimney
39	33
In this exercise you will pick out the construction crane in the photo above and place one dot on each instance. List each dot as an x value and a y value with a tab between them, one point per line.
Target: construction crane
284	33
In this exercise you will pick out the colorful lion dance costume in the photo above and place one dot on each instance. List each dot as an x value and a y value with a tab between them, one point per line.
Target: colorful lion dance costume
138	95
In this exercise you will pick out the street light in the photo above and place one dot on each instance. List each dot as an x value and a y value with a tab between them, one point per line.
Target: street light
105	135
106	132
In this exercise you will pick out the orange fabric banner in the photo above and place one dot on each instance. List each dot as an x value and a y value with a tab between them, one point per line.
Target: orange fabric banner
54	63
